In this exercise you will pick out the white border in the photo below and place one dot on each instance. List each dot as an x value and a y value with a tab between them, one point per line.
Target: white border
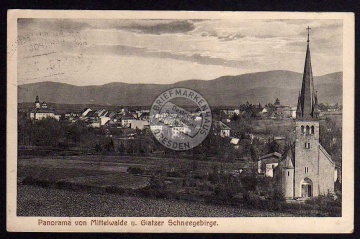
344	224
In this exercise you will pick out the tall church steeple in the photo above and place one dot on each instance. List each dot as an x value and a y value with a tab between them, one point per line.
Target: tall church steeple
306	101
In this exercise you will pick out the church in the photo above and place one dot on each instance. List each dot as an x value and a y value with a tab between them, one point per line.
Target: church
42	111
306	170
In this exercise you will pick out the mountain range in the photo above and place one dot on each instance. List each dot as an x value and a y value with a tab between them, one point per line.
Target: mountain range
260	87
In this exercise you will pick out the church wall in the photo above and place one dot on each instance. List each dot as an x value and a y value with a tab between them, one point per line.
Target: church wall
40	116
326	183
288	185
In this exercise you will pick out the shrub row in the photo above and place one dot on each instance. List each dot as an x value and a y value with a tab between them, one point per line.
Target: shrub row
72	186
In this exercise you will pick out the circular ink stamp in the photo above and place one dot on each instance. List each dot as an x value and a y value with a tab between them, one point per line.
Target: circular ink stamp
180	126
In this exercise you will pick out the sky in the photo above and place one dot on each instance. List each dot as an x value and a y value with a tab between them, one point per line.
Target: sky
100	51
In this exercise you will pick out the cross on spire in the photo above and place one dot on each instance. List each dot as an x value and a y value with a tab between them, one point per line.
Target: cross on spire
308	29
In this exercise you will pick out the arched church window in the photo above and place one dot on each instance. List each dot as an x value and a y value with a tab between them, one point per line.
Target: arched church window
312	129
302	129
307	129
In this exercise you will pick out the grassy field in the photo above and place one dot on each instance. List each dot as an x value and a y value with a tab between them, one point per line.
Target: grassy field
37	201
80	171
84	178
104	170
101	186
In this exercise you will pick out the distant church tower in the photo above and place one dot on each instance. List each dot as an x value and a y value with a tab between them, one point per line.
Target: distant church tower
307	170
37	103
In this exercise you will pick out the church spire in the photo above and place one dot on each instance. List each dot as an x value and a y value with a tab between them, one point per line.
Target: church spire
306	101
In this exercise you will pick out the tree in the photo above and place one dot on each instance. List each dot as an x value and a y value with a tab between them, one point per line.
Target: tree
108	144
195	165
157	182
277	101
121	148
98	147
46	132
331	139
272	146
255	153
24	129
249	180
235	117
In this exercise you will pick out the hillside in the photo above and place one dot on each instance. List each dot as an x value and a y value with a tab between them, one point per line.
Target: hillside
261	87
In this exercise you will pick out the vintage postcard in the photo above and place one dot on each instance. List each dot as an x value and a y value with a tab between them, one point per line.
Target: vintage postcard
125	121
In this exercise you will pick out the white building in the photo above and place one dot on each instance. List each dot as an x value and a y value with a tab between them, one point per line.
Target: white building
85	112
41	111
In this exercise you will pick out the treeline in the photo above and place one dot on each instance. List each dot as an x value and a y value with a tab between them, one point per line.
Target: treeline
62	134
331	139
50	132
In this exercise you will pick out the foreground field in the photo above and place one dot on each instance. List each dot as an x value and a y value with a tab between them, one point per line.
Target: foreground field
37	201
97	170
102	186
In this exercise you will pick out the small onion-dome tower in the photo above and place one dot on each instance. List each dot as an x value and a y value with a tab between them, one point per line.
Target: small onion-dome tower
44	105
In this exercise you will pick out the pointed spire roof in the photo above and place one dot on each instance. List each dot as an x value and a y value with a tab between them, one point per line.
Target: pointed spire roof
288	162
289	157
299	109
306	101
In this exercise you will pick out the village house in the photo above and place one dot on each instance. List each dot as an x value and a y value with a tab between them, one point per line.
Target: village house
229	113
293	112
283	111
139	124
268	163
85	112
126	120
333	107
264	110
145	116
72	116
221	129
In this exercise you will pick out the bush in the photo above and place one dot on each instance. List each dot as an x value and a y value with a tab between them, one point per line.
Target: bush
173	174
155	193
28	181
249	182
261	202
63	185
326	206
98	148
36	182
135	170
158	182
115	190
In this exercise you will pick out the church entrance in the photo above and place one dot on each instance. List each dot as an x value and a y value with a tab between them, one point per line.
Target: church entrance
306	188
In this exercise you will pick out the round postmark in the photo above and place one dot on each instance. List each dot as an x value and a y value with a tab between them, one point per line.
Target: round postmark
177	127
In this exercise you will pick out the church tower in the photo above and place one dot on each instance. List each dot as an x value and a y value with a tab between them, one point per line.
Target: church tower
310	178
37	103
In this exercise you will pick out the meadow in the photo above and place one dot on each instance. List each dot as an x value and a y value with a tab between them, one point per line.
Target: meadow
38	201
99	185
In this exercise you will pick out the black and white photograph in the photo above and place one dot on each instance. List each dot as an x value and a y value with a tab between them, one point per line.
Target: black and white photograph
196	122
